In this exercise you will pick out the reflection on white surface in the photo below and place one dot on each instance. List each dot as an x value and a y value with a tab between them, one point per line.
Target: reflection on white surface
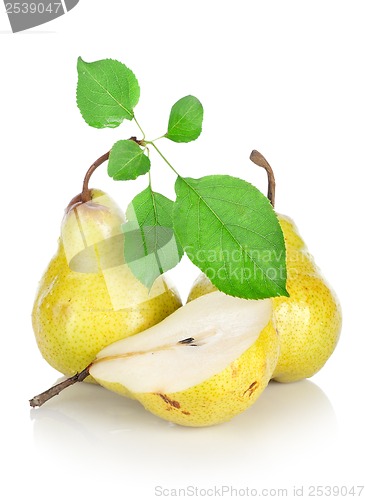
290	426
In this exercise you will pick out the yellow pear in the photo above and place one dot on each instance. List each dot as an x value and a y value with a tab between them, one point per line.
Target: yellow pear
202	365
205	363
309	320
88	297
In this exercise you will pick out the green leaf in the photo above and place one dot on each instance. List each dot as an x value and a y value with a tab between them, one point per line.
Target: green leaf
229	229
107	92
150	246
186	118
127	161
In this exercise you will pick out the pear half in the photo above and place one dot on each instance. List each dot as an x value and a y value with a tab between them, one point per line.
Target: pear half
202	365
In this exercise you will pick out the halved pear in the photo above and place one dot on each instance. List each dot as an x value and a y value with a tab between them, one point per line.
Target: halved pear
202	365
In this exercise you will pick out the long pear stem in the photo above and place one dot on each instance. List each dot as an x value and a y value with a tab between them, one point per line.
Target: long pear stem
261	161
56	389
85	195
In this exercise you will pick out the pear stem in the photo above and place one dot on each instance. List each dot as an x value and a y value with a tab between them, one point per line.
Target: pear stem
56	389
261	161
85	195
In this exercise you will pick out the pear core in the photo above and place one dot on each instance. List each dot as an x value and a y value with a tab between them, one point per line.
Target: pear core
190	346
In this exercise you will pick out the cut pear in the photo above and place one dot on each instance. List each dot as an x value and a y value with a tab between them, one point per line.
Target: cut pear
188	347
204	364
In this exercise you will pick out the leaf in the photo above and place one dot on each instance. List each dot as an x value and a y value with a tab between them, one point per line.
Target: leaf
186	118
150	247
229	229
127	161
107	92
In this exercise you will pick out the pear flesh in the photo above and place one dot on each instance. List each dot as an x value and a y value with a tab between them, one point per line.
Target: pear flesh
88	297
204	364
308	321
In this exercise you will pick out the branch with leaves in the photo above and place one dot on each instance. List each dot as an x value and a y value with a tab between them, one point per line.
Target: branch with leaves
225	226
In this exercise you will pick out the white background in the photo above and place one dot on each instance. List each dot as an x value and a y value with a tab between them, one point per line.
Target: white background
282	77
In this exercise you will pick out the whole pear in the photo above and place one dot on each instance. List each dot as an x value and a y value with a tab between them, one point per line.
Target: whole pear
88	297
309	320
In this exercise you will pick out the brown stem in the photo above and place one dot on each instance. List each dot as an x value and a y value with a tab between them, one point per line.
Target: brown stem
56	389
85	195
259	160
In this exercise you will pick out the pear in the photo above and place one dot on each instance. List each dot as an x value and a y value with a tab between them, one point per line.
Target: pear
309	320
205	363
88	297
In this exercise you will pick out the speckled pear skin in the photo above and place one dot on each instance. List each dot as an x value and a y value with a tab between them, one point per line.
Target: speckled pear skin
221	397
308	321
73	317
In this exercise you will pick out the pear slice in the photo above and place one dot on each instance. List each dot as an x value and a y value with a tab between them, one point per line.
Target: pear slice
205	363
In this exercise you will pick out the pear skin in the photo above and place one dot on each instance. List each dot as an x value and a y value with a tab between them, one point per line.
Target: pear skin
225	395
76	314
179	390
308	321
